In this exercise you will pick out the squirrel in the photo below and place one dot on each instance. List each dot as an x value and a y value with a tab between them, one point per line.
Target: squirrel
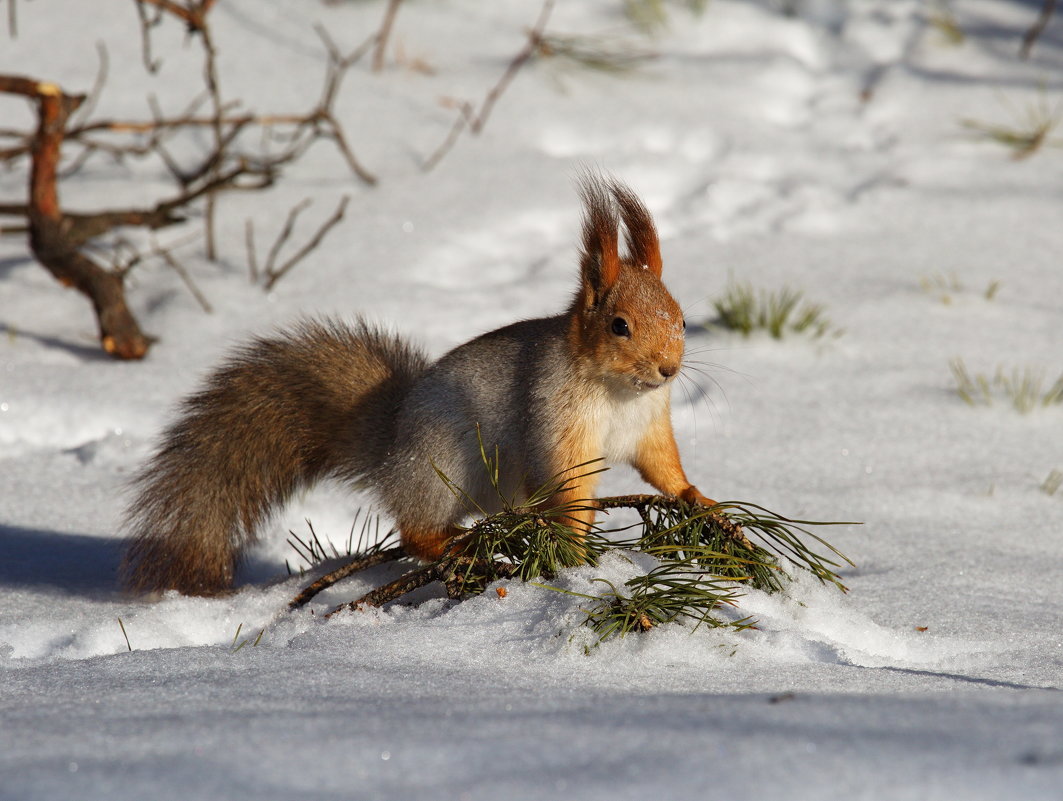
359	404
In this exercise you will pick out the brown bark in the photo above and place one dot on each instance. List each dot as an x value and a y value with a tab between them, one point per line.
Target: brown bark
50	231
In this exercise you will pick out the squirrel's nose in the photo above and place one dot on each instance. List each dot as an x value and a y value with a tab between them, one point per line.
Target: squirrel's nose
668	370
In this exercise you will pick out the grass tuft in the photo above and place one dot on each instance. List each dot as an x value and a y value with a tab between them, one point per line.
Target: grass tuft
945	286
651	16
1024	389
943	20
745	310
1028	131
1052	483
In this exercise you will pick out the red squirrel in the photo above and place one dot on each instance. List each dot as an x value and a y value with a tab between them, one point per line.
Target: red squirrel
364	406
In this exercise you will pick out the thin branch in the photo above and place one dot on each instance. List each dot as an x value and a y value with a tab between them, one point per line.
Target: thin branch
354	566
249	241
49	232
193	14
407	582
1035	31
177	267
286	232
384	34
273	276
476	120
146	24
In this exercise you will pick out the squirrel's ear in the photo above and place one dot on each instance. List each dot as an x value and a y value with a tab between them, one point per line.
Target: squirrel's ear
643	245
600	259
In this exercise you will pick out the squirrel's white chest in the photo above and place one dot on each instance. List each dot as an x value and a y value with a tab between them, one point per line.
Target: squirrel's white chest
622	421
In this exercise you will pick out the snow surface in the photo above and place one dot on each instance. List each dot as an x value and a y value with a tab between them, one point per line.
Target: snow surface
822	151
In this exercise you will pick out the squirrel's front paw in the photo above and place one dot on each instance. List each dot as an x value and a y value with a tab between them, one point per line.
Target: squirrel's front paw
693	495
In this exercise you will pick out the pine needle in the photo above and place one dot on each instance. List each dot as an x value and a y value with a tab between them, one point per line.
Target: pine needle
705	555
121	625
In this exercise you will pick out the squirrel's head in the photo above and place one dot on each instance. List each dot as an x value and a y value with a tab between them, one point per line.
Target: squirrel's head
625	321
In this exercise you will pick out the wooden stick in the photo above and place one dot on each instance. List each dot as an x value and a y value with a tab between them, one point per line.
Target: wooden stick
354	566
120	335
384	34
407	582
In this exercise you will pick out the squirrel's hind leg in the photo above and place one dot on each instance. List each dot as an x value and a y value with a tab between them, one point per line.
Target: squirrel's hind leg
426	543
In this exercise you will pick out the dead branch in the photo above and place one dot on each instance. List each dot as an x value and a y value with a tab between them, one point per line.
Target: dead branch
194	16
286	232
474	120
354	566
146	24
407	582
119	333
166	254
384	34
192	13
249	242
273	275
58	238
320	122
1033	34
62	240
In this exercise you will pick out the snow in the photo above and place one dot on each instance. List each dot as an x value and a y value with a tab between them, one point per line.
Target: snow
936	677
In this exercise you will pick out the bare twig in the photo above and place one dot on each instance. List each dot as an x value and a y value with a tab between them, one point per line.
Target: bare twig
384	34
275	275
249	241
407	582
146	24
49	233
285	233
354	566
1047	10
476	120
167	256
193	13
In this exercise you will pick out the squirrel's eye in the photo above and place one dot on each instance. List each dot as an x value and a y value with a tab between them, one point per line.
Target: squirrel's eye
684	323
620	327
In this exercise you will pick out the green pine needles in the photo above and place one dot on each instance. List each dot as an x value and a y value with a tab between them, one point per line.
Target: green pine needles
703	557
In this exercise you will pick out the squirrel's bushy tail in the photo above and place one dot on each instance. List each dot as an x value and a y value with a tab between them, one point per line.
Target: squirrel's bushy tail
284	412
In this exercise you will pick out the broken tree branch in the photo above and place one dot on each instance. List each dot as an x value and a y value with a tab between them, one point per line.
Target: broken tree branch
273	275
384	34
119	333
352	567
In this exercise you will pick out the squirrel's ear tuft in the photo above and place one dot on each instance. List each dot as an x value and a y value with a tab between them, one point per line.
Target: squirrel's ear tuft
643	246
600	259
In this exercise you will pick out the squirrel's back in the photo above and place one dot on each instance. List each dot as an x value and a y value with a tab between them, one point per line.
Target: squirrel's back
502	390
